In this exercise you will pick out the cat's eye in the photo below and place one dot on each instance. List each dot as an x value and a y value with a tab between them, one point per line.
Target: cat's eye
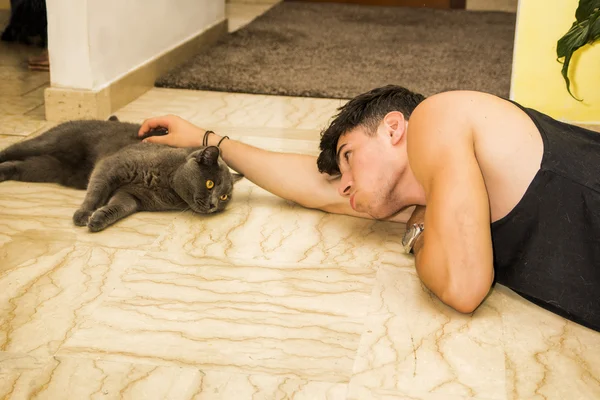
210	184
224	197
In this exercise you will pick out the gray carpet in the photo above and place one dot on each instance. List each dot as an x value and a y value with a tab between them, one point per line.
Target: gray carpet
341	50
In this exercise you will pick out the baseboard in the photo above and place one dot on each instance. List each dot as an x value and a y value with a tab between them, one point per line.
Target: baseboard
64	104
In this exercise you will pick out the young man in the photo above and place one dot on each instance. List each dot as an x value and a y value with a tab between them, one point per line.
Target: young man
512	196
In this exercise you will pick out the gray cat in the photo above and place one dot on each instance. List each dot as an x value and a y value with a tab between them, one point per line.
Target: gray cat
122	174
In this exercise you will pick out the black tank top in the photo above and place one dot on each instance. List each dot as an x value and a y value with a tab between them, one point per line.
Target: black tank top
547	249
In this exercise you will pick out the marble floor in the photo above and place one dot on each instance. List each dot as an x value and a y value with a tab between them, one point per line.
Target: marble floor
264	301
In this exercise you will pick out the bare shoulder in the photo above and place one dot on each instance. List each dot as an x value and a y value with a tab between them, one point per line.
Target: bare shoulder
504	140
442	124
478	109
451	117
459	107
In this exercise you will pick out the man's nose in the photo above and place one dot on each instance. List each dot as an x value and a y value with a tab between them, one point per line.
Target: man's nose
345	186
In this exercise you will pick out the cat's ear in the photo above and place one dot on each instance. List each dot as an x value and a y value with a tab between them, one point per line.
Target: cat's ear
208	156
236	177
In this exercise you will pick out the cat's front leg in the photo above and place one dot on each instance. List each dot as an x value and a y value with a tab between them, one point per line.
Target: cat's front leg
96	196
82	217
121	205
98	192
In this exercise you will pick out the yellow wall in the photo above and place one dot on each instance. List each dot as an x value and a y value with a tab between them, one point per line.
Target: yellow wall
537	81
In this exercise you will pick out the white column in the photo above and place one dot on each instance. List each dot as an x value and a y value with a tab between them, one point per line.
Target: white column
93	43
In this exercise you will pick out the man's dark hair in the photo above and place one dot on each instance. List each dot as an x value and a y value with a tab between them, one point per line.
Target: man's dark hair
367	110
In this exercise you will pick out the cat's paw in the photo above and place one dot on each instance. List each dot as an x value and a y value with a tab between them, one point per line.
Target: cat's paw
81	217
98	221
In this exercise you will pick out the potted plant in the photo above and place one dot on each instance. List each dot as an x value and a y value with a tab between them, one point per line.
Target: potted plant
585	30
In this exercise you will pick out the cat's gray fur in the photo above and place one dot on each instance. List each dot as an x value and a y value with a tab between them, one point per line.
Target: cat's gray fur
122	174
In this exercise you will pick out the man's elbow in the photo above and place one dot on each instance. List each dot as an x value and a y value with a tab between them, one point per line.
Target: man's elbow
466	296
462	286
462	303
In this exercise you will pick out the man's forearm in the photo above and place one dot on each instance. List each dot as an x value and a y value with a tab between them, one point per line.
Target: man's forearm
294	177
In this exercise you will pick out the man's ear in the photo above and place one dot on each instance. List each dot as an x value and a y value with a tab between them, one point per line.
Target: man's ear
395	126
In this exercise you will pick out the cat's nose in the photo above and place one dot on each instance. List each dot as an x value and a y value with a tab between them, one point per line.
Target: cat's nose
212	206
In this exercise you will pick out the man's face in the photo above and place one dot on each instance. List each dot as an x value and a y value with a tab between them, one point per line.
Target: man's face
371	167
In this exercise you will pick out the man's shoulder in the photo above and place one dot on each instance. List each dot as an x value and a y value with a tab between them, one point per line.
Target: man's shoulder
439	127
457	112
450	123
467	101
442	114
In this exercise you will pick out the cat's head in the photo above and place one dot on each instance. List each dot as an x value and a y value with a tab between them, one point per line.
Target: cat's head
204	182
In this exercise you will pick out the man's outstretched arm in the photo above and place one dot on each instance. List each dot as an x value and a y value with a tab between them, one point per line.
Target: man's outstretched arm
293	177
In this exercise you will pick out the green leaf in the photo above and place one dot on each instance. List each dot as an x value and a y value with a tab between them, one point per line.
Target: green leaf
575	38
583	31
595	31
586	8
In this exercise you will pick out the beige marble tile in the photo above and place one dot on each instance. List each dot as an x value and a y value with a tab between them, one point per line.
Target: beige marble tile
38	113
548	357
158	102
18	105
31	199
21	375
45	211
214	110
17	81
19	125
309	147
415	347
26	377
38	93
288	320
225	386
49	290
259	226
7	140
387	394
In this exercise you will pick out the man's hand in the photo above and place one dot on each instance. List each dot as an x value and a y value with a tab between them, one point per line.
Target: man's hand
417	217
181	133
